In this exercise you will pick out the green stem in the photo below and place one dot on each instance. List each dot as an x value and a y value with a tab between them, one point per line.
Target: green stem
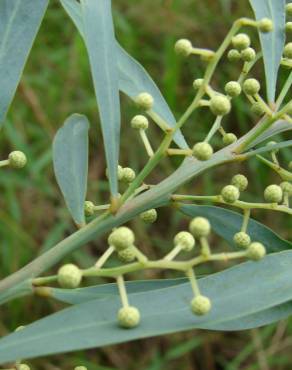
4	163
205	248
284	174
44	280
146	143
239	204
106	255
193	280
214	128
173	253
246	216
122	291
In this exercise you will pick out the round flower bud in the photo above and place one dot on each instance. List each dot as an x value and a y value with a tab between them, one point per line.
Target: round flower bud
220	105
128	317
200	227
234	55
144	101
202	151
288	50
271	143
139	122
89	208
23	367
289	9
288	27
286	188
248	54
241	239
251	86
200	305
230	193
198	83
273	194
265	25
69	276
240	181
127	255
256	251
80	368
233	89
121	238
229	138
241	41
257	109
183	47
149	216
185	240
17	159
128	175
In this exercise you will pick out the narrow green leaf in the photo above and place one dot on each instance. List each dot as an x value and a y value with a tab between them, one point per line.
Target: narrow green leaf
105	290
264	149
20	290
70	156
277	128
237	294
19	24
272	42
133	78
226	223
101	47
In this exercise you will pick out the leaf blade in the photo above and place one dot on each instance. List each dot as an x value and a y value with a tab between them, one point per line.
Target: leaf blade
272	42
19	24
70	158
100	44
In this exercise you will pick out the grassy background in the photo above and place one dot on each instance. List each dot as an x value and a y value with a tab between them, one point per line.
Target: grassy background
56	83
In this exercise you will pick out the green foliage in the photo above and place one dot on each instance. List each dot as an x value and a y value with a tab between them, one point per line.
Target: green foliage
70	156
100	42
255	293
20	21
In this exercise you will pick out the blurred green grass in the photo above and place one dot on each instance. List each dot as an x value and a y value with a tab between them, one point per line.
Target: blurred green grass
56	83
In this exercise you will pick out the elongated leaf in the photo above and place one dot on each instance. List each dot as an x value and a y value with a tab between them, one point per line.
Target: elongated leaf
272	42
133	78
277	128
102	291
226	223
70	156
264	149
101	47
239	292
19	23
